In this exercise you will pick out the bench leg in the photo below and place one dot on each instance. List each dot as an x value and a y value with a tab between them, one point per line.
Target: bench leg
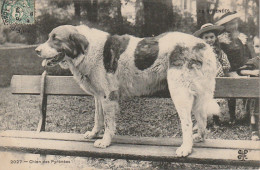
43	108
232	110
43	104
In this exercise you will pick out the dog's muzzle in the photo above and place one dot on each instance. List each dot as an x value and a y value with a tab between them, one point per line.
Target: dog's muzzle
50	62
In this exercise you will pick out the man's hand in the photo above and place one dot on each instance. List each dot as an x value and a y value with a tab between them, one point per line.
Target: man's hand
250	72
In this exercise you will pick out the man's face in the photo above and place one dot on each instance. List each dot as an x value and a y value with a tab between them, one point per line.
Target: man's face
256	45
209	37
231	25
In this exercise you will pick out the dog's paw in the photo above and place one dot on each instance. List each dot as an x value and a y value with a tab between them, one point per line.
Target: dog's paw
183	151
197	138
102	143
90	135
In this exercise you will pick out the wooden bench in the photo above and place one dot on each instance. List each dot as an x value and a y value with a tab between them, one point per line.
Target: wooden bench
65	85
235	152
215	152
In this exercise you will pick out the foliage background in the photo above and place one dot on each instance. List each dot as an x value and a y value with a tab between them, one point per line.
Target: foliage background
136	17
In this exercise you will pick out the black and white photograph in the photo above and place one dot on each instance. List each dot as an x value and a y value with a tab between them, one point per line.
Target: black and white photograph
129	84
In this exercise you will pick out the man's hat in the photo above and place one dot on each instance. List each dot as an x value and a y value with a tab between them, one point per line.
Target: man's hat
227	17
208	28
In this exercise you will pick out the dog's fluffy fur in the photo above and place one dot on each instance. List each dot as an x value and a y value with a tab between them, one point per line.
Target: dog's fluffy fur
183	61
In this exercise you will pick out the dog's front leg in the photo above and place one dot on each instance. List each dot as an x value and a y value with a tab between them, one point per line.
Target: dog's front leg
110	109
99	120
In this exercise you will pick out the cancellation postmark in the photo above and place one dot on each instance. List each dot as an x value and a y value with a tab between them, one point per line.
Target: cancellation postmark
18	12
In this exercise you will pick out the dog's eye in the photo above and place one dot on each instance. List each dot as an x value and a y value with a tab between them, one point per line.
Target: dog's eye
53	36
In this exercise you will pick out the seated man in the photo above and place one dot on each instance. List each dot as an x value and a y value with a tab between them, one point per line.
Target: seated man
235	45
251	68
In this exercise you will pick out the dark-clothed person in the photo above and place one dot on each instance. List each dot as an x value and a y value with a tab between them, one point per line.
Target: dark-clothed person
235	45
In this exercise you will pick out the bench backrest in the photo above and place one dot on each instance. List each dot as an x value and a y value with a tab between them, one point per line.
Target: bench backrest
226	87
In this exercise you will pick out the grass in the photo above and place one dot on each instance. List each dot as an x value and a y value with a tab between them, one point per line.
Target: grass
138	117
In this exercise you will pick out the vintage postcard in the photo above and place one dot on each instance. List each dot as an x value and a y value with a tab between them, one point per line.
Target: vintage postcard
129	84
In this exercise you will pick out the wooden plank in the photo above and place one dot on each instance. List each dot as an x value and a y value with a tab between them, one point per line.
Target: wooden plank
56	85
43	104
127	151
135	140
242	87
27	84
226	87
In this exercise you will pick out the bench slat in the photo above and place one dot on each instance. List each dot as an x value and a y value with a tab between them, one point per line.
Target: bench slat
241	87
126	151
55	85
159	141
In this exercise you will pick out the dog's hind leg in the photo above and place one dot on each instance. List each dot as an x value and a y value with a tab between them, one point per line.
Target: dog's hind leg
110	109
201	118
203	106
203	85
99	120
183	101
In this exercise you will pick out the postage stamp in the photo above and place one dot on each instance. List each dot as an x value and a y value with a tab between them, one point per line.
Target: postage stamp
18	11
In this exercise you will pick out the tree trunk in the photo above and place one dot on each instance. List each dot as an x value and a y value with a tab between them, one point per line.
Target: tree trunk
118	17
190	6
214	11
92	10
109	12
200	5
257	14
77	10
139	19
246	10
158	16
204	13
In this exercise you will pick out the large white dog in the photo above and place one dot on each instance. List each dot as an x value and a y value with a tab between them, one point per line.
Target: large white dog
112	66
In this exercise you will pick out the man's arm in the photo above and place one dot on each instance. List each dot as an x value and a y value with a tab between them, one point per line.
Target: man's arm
250	72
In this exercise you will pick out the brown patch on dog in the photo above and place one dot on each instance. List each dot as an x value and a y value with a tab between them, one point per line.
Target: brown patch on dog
79	42
196	59
177	57
181	55
146	52
199	46
114	47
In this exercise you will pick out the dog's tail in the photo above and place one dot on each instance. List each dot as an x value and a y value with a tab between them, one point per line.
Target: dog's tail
204	104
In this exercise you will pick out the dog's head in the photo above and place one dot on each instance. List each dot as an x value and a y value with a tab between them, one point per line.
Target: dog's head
64	41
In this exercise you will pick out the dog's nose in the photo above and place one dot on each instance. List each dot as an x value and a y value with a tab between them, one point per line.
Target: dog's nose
38	51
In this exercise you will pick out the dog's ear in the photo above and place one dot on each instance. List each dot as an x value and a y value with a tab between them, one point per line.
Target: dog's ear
79	41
